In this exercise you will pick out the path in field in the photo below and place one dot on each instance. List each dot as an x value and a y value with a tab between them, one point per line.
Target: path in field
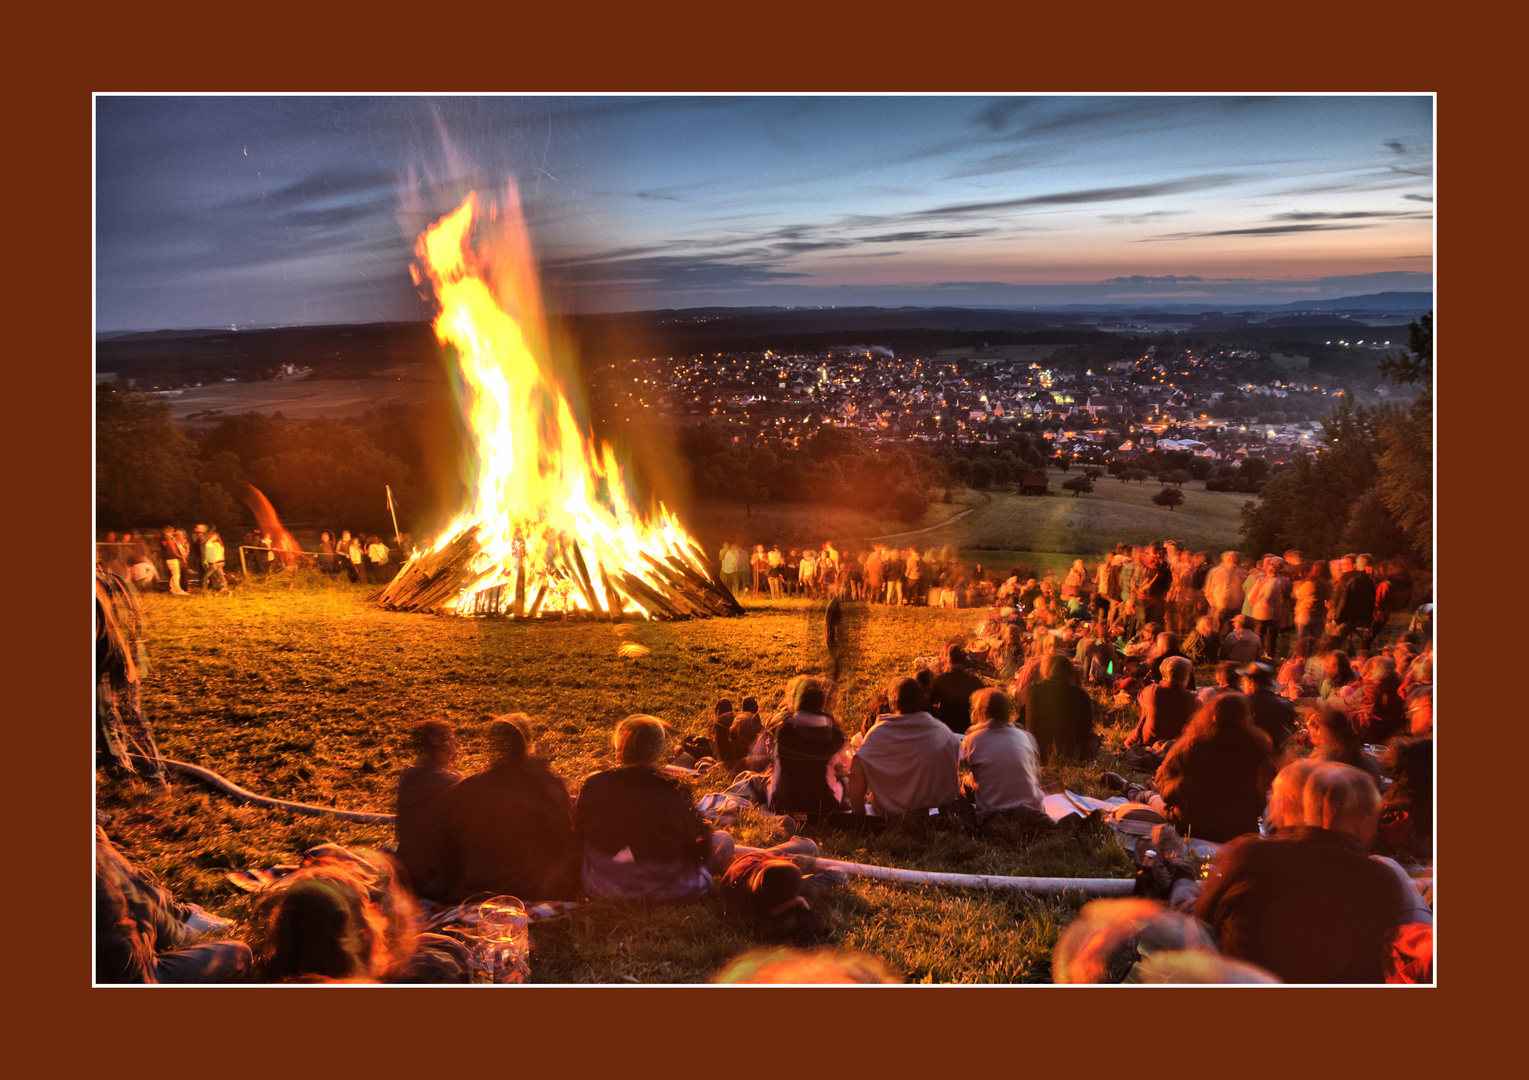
941	525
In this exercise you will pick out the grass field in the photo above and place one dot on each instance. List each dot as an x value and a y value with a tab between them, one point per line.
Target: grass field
303	691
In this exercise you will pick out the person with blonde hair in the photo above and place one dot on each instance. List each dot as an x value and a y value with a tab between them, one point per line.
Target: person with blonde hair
1003	761
641	834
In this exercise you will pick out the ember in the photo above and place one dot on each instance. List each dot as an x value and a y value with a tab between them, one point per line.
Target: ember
551	528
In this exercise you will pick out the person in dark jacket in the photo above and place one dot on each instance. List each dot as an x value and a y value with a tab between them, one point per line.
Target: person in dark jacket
1309	904
424	799
1060	714
1273	714
509	828
642	837
950	695
1353	602
1406	827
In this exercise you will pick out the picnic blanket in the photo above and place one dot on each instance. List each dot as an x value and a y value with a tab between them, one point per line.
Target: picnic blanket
1129	821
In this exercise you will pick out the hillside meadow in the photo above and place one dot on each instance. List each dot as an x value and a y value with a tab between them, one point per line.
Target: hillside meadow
296	687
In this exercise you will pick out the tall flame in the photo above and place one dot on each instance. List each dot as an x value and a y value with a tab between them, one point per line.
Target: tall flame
550	515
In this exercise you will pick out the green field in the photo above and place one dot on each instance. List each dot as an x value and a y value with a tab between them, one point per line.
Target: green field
302	690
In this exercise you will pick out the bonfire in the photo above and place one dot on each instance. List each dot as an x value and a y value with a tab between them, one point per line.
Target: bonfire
551	529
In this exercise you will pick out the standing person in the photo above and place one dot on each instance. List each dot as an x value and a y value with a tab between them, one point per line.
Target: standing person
1354	602
174	547
1224	590
1152	587
213	557
327	558
194	575
1267	605
913	571
342	556
727	563
807	572
377	557
358	562
759	563
894	568
774	563
875	578
1308	596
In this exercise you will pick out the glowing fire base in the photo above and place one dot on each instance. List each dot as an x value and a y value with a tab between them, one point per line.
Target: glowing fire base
452	580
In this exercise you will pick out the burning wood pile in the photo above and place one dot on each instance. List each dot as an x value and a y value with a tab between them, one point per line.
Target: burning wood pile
552	531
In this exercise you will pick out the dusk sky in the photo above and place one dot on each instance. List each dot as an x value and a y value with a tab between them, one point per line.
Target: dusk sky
261	211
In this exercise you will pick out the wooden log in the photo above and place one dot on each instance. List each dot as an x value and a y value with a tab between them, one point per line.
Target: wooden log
649	597
584	578
536	605
613	601
681	588
718	595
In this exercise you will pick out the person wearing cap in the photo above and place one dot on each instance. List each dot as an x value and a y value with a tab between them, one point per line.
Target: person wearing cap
509	828
642	837
1241	646
1273	714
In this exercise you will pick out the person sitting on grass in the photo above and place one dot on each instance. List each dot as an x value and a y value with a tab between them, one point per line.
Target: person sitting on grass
735	736
343	916
1226	682
1241	646
1059	714
951	692
1273	713
1004	764
424	791
1203	645
1373	705
509	828
641	834
766	894
1214	781
1309	904
808	752
907	762
143	935
1333	738
1166	706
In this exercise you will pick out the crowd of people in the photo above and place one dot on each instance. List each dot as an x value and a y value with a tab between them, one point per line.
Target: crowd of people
1312	764
178	562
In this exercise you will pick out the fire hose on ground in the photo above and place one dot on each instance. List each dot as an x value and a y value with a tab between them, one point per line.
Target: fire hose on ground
1038	885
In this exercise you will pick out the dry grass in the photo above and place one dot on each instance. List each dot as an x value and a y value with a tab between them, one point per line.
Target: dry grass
305	693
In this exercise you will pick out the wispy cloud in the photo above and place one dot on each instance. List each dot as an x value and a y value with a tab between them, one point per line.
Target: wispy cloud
1162	279
1261	230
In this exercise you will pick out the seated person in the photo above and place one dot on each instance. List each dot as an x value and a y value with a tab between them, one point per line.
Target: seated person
424	791
1295	681
950	694
1308	903
1273	714
1203	645
1003	761
1214	782
509	828
908	760
1165	706
1333	738
1227	681
810	760
766	894
344	916
1373	705
734	736
1407	809
1059	713
641	834
1241	646
143	935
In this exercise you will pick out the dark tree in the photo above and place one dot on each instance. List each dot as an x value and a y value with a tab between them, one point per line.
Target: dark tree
1169	497
1079	485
